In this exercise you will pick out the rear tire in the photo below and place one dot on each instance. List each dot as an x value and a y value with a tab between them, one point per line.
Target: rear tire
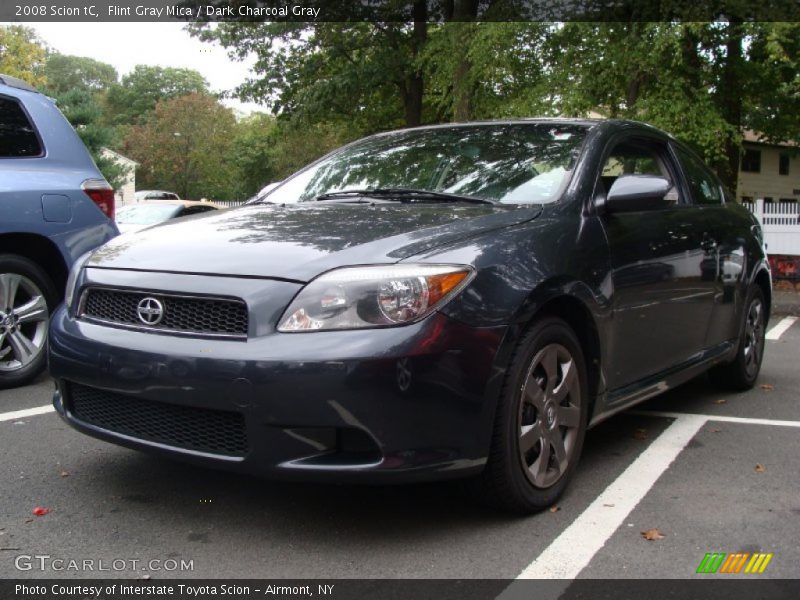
540	422
27	297
741	374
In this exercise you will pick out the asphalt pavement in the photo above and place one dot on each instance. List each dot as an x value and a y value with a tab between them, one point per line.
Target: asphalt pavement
710	471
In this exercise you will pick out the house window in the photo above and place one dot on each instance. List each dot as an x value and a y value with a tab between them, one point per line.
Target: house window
783	164
751	161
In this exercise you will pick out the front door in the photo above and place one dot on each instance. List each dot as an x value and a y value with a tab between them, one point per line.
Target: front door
661	300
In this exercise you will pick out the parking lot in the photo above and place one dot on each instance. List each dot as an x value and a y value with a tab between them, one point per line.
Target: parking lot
713	472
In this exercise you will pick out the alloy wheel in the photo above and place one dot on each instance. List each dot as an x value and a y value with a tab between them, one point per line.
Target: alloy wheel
549	416
23	322
754	337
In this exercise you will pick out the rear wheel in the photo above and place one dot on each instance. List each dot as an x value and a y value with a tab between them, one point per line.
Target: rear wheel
27	295
741	374
540	422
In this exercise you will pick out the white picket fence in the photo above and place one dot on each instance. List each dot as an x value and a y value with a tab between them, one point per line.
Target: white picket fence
781	224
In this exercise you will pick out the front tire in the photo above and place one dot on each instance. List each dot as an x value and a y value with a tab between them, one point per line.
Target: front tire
27	296
741	374
540	422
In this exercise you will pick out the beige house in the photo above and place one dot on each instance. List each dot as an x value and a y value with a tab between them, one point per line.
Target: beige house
769	171
126	192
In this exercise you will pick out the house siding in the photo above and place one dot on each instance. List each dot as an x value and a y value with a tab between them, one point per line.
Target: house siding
768	183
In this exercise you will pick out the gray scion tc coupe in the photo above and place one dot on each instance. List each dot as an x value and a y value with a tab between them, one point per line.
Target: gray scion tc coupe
439	302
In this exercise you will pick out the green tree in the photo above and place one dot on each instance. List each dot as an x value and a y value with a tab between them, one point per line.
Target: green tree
252	153
704	82
83	111
183	145
22	54
367	75
65	73
130	102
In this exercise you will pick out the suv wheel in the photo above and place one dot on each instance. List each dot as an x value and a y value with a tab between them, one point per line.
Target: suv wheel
27	295
540	422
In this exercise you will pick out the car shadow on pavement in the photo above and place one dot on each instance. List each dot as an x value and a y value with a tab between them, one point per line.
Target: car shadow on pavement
138	482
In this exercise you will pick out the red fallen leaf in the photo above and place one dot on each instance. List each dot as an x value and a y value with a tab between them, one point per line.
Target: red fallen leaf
64	473
652	534
720	401
715	430
767	387
40	512
760	468
555	509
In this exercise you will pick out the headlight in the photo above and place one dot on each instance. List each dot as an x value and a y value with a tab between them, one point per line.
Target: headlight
379	296
72	280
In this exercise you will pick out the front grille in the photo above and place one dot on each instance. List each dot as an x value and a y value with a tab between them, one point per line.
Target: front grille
201	429
181	314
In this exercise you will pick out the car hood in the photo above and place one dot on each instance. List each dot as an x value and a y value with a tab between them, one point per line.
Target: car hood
298	242
130	227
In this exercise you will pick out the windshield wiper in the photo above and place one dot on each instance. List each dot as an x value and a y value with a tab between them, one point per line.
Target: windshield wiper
404	195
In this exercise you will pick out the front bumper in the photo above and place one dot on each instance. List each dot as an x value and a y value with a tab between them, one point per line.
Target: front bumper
398	404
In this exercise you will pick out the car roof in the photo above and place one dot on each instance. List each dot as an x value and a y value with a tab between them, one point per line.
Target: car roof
589	123
17	83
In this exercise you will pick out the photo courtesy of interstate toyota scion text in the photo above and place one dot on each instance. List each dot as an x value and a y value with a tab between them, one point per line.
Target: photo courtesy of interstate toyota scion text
457	301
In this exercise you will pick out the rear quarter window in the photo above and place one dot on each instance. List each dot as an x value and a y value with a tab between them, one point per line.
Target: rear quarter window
704	186
18	137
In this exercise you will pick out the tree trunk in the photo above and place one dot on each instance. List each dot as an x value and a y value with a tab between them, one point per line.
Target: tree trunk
463	12
730	98
414	87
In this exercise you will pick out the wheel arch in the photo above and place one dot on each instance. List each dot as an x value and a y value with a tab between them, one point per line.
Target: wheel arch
573	303
40	250
763	280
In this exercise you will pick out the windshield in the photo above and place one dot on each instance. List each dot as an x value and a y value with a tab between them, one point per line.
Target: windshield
145	215
511	163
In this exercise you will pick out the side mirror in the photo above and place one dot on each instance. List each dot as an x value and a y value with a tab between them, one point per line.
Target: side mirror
631	193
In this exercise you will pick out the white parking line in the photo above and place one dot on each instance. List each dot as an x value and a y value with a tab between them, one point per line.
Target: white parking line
571	551
776	332
720	418
575	547
27	412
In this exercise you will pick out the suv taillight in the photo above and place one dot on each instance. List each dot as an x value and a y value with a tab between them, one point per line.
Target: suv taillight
101	194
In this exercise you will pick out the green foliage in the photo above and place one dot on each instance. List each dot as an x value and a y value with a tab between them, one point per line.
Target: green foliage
66	73
252	154
130	101
182	147
704	82
22	54
81	108
355	73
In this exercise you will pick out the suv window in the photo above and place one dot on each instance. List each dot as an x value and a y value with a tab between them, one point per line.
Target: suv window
17	136
704	186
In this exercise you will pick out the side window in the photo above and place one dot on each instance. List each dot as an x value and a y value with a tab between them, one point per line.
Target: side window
703	185
636	157
17	136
